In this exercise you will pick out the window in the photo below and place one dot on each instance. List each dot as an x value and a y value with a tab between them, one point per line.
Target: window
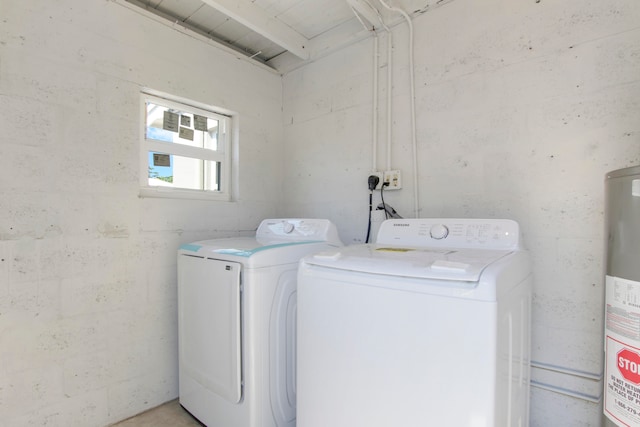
185	150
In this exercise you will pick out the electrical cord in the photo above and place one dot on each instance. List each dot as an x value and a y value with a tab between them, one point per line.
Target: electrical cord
370	209
384	205
372	183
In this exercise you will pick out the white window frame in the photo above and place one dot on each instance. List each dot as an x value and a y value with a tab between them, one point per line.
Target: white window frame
227	120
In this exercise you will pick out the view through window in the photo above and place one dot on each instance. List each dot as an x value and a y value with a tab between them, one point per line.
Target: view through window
186	147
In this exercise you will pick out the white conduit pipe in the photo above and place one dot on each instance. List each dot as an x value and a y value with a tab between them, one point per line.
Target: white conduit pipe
374	120
374	114
593	380
389	82
389	94
414	141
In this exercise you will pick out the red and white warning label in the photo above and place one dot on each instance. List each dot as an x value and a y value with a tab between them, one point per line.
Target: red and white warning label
622	347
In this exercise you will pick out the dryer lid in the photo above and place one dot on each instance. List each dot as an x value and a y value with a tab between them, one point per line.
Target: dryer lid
251	252
277	242
425	263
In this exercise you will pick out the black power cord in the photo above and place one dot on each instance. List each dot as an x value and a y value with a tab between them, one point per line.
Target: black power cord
389	212
384	205
373	183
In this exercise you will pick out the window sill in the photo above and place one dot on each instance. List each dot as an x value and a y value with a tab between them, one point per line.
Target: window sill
182	194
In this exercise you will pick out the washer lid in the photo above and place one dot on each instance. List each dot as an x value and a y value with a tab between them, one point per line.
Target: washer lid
428	263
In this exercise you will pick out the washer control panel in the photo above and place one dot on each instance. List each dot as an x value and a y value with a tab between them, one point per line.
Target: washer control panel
450	232
439	231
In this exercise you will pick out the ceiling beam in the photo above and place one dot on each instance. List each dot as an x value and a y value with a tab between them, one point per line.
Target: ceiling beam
366	12
323	45
258	20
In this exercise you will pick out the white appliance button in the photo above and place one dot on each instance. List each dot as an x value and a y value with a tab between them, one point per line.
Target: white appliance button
439	231
288	227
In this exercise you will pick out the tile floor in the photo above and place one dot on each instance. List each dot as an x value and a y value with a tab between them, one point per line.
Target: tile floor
170	414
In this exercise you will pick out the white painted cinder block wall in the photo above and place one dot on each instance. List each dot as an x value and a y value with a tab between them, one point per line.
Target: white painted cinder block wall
522	107
88	320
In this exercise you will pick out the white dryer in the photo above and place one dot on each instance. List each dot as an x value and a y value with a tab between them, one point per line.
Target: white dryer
428	327
237	322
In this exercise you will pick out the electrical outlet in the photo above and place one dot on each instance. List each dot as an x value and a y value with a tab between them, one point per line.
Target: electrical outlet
394	178
380	176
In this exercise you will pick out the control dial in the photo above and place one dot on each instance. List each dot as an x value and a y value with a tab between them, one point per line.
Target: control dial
439	231
287	227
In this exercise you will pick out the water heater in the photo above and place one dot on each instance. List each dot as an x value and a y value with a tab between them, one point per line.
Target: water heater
622	298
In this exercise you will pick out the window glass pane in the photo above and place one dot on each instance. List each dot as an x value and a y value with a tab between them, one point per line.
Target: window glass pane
212	175
170	124
160	169
168	170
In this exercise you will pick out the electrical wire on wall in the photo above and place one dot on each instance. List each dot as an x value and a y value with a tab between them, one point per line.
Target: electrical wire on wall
383	204
372	183
389	212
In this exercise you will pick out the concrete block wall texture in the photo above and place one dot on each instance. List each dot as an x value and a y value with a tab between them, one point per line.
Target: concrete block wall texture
88	319
522	107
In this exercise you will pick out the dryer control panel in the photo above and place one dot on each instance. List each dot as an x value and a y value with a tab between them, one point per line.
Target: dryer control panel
297	230
503	234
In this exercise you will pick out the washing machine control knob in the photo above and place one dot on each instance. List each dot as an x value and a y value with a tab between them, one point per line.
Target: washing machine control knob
439	231
287	227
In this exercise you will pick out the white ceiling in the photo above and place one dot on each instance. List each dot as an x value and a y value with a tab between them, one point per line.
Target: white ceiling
284	33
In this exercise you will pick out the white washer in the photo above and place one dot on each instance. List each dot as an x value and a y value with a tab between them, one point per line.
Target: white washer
237	320
427	327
